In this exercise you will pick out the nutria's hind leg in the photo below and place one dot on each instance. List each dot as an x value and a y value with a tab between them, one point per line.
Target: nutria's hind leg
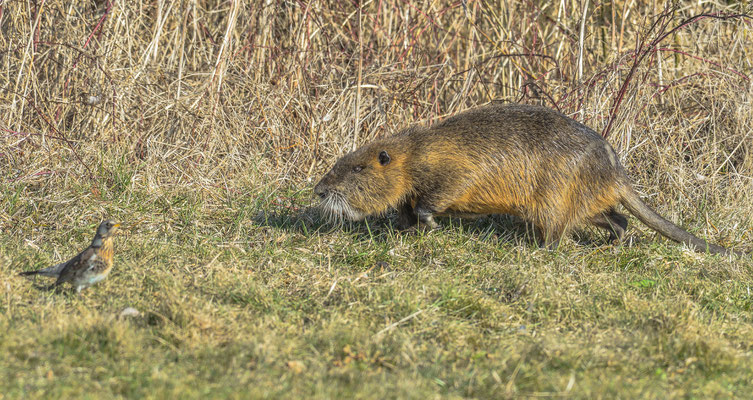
619	221
611	221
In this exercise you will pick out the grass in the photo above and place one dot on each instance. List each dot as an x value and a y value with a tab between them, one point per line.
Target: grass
266	308
215	119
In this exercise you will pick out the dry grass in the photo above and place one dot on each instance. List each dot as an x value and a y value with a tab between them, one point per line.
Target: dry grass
203	125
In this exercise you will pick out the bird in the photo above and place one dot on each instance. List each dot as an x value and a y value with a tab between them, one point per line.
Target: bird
89	266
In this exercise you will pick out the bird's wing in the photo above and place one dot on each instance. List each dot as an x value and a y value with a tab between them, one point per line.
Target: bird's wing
74	265
55	270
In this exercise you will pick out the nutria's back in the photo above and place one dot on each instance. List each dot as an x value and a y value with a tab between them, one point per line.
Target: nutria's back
514	155
515	159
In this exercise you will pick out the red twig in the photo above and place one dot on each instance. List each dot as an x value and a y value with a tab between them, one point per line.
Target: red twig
738	73
40	173
16	133
642	51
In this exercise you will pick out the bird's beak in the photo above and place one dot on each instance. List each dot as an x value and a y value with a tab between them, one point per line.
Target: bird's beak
116	225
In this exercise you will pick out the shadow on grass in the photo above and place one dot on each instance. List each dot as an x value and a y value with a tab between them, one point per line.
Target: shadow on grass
505	229
310	222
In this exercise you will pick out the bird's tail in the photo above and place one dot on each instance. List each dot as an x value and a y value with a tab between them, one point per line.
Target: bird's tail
53	271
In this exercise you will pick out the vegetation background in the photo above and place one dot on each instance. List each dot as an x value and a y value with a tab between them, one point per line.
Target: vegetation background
203	125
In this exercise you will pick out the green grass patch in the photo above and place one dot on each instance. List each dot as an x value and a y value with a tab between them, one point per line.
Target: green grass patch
245	298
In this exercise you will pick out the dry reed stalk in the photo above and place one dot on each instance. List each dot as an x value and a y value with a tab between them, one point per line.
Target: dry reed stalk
359	80
207	93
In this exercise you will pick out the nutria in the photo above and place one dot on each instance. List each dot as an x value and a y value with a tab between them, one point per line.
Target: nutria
523	160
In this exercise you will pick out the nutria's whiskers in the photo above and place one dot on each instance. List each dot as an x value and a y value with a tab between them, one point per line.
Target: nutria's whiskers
336	209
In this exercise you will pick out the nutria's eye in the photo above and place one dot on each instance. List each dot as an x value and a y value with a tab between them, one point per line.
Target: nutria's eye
357	168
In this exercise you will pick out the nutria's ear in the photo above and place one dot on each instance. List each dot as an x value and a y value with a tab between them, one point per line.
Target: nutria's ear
384	158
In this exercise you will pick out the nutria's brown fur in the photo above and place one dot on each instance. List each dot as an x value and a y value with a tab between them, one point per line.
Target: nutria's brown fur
524	160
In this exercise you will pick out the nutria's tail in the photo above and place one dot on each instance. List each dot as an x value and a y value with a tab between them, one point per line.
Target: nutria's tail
648	216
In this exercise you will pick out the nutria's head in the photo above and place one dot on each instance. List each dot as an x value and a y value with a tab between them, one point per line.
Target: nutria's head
367	181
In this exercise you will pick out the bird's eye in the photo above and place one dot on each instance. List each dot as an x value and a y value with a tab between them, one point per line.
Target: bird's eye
357	168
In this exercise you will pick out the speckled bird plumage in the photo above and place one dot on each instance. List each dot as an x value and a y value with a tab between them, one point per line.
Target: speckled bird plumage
88	267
